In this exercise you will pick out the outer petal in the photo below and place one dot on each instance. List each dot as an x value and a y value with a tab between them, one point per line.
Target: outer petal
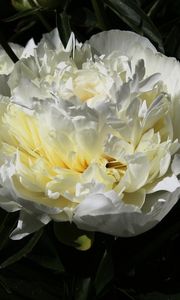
137	47
107	213
168	67
7	203
28	223
176	164
4	88
6	64
126	42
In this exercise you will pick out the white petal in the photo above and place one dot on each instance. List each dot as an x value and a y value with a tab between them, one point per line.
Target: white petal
4	88
136	198
126	42
7	203
6	64
136	174
175	166
110	215
168	67
29	49
169	184
51	40
28	223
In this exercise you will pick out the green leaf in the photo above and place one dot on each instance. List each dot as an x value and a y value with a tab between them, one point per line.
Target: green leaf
105	272
172	41
155	242
22	14
63	25
46	255
22	4
123	293
4	284
153	10
68	234
6	227
30	282
83	289
36	12
23	26
158	296
49	3
24	251
134	16
88	20
102	20
44	21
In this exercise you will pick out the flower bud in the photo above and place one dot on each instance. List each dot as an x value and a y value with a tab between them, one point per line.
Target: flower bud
48	3
21	4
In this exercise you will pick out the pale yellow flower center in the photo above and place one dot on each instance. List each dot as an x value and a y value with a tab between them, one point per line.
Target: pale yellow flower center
40	160
87	85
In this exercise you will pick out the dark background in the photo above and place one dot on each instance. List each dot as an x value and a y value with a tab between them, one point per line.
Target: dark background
44	266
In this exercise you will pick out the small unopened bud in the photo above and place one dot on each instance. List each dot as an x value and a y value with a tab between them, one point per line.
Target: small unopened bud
22	4
48	3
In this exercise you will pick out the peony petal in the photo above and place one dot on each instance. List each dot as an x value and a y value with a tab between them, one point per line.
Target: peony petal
137	198
6	64
138	47
126	42
7	203
28	223
4	88
29	49
168	67
136	174
169	184
175	166
120	219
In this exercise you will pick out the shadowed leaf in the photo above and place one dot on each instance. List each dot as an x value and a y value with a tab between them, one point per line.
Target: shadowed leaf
83	289
22	14
46	255
105	273
63	25
70	235
135	17
24	251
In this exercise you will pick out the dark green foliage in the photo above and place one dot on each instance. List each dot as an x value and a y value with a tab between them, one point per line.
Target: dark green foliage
146	267
63	25
156	19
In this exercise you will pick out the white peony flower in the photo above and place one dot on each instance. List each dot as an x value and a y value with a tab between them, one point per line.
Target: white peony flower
89	134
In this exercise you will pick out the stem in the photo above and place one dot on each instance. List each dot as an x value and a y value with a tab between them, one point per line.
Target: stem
66	5
34	4
100	13
8	49
43	21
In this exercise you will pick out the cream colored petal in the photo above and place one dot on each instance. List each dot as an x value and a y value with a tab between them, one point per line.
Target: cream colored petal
169	183
168	67
126	42
28	223
136	198
175	166
138	47
136	175
6	64
4	88
106	213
